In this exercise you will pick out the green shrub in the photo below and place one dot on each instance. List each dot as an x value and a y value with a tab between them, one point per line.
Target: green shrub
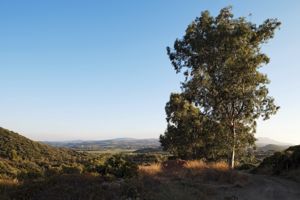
246	166
29	170
147	158
6	170
74	169
30	174
281	162
118	166
52	171
130	189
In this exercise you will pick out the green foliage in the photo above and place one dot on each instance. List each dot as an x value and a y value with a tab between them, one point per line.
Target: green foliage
246	166
281	162
183	121
130	189
220	58
7	170
189	134
147	158
119	166
53	171
25	159
13	155
65	187
30	170
73	169
16	147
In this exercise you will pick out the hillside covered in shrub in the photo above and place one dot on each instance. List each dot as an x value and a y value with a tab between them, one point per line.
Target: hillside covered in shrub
285	163
34	171
23	158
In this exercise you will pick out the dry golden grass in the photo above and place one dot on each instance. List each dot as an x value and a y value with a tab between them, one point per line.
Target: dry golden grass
5	186
200	165
150	170
215	171
195	165
9	182
221	166
192	166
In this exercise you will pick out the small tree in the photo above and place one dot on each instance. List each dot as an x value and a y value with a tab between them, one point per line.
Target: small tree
189	134
220	58
183	136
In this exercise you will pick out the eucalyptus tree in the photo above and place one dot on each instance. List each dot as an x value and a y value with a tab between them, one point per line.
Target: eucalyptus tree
221	58
189	134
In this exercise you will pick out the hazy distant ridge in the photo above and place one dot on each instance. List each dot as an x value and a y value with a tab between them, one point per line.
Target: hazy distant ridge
262	141
118	143
133	143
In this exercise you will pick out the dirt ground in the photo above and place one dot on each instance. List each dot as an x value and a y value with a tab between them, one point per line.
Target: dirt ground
260	187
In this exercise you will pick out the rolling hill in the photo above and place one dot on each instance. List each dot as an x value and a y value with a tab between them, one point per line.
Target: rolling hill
263	141
22	158
151	144
15	146
118	143
285	163
35	171
272	147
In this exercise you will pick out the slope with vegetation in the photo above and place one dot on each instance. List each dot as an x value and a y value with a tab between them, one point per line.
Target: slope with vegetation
213	119
32	170
23	158
285	163
58	174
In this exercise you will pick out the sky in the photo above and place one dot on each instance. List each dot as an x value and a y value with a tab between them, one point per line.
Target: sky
99	69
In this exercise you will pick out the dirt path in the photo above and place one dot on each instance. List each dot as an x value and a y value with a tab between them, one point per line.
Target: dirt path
260	187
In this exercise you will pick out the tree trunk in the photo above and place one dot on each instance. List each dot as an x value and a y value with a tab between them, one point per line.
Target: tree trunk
233	146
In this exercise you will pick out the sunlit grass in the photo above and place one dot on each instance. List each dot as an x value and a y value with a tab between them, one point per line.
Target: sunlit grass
195	164
152	169
213	171
9	182
221	166
168	167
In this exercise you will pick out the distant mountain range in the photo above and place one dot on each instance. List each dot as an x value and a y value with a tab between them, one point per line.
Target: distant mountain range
272	147
263	143
118	143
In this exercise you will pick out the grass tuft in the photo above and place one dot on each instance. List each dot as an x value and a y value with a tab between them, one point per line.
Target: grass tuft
150	170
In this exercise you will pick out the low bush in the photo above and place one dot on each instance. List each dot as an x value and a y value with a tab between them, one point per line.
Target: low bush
281	163
246	166
118	166
72	169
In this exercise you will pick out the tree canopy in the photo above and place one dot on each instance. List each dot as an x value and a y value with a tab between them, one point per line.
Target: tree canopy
220	58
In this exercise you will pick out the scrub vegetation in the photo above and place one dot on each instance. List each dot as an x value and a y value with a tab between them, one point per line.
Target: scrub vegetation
208	146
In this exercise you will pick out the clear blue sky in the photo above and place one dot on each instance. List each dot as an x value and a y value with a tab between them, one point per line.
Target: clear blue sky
99	69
